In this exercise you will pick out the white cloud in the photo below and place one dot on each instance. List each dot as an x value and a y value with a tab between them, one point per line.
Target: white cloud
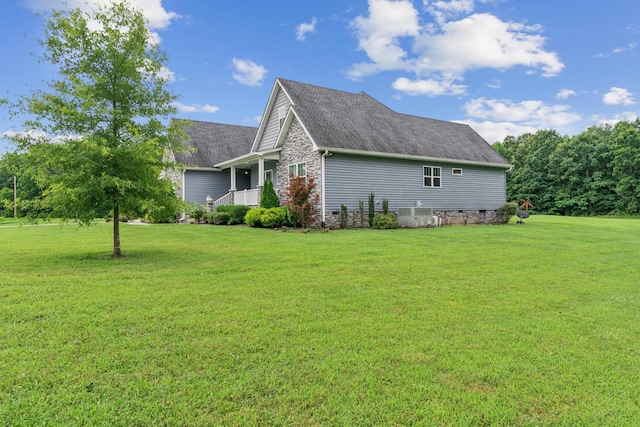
428	87
627	116
531	112
159	18
495	119
565	93
498	131
630	46
379	35
618	96
248	72
494	84
305	28
394	38
195	108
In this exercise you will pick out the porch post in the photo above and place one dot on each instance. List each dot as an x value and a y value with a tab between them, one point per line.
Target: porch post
233	179
260	171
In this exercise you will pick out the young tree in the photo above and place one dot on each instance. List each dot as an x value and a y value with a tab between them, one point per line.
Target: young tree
103	115
302	200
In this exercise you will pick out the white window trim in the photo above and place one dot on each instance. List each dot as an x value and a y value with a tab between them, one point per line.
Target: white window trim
453	171
282	114
270	172
296	167
424	175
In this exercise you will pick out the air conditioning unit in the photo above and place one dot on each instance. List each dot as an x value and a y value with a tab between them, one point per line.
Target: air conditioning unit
414	217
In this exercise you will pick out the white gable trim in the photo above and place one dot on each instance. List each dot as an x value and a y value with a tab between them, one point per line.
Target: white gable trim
291	114
277	87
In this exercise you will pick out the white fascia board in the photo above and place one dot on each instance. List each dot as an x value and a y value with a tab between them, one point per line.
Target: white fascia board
412	157
197	168
288	120
273	154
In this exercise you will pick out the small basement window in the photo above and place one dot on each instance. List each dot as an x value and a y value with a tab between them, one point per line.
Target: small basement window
456	171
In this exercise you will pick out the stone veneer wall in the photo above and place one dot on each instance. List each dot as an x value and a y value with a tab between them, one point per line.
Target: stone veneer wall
298	148
456	217
174	174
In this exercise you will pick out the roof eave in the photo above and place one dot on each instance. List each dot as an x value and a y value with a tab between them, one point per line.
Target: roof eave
272	154
413	157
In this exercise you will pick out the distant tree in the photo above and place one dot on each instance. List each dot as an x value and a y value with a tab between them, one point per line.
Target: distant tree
269	198
302	199
104	115
530	178
626	166
581	169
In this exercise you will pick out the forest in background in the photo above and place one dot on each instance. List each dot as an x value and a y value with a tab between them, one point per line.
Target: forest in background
596	172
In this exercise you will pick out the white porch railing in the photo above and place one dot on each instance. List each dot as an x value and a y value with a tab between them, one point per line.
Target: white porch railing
246	197
224	200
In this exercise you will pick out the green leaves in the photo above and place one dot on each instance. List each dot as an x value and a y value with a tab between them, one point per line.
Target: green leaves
102	118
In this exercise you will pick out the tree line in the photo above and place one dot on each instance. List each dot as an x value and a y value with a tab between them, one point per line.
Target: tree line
596	172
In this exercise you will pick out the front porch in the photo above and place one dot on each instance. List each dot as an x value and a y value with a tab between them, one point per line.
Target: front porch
247	197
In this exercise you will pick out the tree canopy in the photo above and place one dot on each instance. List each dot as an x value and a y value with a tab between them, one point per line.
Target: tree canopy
100	138
596	172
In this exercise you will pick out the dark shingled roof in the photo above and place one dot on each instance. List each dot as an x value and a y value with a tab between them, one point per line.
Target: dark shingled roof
214	142
343	120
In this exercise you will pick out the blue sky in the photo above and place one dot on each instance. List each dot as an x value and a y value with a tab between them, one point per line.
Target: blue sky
505	67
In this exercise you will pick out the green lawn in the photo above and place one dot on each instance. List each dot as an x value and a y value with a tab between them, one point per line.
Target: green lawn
535	324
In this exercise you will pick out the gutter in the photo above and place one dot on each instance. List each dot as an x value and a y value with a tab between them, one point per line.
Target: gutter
413	157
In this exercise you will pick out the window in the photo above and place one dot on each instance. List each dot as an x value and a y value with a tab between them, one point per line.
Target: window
282	114
432	176
456	171
298	169
268	175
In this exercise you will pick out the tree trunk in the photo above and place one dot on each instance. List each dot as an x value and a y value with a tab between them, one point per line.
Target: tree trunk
116	229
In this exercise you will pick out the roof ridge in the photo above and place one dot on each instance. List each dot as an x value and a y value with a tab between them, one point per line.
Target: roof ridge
213	123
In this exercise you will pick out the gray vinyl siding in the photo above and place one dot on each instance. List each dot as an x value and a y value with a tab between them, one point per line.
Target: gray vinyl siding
351	178
272	128
200	184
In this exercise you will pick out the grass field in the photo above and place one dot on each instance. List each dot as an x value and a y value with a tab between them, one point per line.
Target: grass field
535	324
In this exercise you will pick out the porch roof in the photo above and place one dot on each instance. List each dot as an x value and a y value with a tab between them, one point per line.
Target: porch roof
250	158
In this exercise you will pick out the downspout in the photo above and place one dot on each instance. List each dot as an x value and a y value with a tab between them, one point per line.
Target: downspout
322	198
184	195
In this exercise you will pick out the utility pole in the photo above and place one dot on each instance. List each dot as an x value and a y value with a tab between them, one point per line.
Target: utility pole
15	197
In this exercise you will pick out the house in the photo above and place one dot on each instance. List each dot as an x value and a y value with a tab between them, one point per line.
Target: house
352	145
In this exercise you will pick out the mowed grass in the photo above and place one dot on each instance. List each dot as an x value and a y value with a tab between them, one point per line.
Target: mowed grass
535	324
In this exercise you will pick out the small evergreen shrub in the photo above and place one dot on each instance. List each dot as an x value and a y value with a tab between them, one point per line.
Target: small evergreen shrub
269	198
385	222
385	206
506	211
237	212
372	208
344	216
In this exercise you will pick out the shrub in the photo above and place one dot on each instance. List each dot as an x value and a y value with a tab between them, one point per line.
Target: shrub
268	218
385	222
269	198
344	216
237	212
197	213
371	206
254	216
361	207
385	206
506	211
218	218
